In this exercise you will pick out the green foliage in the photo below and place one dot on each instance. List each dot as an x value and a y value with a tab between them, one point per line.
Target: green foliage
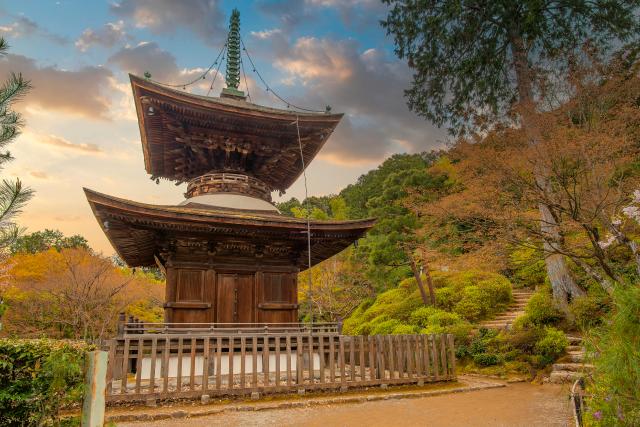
481	301
466	290
551	345
447	42
385	327
527	265
41	241
404	330
38	378
589	311
541	310
486	359
615	351
13	195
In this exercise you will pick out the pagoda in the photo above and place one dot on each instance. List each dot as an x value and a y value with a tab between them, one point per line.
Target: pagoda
228	254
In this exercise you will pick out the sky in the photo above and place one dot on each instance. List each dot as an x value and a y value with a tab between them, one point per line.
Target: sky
80	123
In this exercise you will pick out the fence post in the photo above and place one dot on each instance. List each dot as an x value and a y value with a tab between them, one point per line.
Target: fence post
122	318
95	383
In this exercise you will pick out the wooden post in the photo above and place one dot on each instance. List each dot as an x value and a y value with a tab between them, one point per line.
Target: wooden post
94	399
122	317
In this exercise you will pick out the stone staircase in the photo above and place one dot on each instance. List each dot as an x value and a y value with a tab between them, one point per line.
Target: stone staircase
505	319
571	366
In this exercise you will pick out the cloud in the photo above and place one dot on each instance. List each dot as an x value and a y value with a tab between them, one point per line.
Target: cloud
60	142
81	92
25	27
148	56
204	17
366	85
110	34
358	14
266	34
39	174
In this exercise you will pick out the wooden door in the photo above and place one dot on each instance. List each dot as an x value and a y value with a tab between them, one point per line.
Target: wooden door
235	302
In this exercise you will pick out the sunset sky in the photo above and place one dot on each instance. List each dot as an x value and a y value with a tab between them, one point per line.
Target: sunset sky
81	128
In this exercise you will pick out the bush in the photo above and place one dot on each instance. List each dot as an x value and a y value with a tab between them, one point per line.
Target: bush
528	267
590	310
385	327
404	330
486	359
435	321
551	345
420	316
38	378
541	310
484	299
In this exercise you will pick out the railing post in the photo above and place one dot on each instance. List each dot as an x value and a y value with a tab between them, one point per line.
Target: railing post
121	321
94	399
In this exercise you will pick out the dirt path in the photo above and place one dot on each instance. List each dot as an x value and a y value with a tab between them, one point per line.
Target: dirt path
518	404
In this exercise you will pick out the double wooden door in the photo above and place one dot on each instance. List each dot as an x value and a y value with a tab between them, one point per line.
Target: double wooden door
235	298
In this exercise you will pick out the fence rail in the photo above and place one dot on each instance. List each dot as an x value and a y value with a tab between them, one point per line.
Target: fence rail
164	366
136	327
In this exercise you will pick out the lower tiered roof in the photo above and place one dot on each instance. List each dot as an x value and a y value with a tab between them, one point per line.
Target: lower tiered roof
143	234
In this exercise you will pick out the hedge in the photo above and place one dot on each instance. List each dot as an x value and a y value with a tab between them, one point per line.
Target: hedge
39	377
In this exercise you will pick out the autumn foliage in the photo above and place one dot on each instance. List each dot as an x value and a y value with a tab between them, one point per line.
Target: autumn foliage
74	293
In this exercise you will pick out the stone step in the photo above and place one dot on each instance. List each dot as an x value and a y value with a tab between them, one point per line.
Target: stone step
575	348
575	356
574	340
574	367
559	377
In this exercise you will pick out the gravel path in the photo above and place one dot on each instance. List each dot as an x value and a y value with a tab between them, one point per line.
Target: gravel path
519	404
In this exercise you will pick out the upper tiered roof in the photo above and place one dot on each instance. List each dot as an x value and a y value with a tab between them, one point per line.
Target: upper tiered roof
185	136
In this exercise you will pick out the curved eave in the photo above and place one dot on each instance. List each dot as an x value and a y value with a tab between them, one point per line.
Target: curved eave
242	110
330	236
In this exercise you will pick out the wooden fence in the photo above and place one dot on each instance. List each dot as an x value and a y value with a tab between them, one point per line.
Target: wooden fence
166	366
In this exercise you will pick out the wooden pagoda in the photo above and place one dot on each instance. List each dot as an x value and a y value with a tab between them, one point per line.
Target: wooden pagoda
228	254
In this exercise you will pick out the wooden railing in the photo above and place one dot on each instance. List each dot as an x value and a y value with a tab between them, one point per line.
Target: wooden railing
137	327
161	366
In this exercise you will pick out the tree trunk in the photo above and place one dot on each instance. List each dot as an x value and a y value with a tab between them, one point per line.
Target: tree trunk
416	274
562	281
427	273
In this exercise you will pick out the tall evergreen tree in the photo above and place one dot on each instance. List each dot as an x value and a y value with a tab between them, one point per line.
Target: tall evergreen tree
477	62
13	195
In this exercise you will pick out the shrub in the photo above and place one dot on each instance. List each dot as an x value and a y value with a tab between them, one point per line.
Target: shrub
590	310
420	316
528	267
385	327
38	378
435	321
484	299
551	345
541	310
404	330
486	359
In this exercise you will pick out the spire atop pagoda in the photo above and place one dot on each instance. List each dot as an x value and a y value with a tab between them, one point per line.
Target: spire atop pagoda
233	58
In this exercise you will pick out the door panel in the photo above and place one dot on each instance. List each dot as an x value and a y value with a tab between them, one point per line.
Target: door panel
235	302
244	289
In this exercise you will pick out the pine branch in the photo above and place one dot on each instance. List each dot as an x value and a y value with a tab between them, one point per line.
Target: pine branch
13	197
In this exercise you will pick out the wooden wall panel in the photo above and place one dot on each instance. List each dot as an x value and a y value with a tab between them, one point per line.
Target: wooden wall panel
190	285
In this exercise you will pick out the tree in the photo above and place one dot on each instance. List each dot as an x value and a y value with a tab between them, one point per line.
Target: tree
40	241
73	293
474	61
13	196
589	150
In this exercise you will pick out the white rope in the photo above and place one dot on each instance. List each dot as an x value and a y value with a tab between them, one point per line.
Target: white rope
306	198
